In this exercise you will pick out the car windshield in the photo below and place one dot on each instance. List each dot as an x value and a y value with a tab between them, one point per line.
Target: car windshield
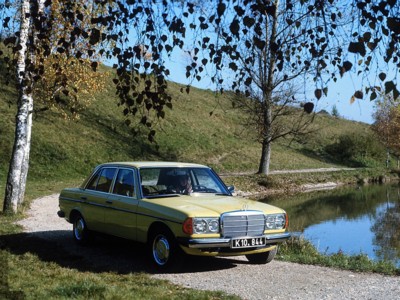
158	182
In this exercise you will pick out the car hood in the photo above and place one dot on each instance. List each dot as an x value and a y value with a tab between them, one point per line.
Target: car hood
210	206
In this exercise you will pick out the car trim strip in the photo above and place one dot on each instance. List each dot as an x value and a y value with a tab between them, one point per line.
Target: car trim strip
119	209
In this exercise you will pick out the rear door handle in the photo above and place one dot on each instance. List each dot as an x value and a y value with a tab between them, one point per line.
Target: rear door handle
84	198
109	202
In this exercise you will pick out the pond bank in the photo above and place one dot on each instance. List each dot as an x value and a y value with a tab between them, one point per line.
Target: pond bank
248	184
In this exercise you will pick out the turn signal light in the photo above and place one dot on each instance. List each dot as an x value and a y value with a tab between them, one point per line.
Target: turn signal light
187	226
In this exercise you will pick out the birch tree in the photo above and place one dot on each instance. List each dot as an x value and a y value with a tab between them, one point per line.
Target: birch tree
31	47
140	82
16	180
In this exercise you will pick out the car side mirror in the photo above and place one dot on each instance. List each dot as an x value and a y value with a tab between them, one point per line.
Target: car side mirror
231	189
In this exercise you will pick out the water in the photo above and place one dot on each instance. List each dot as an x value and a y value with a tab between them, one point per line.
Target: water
351	220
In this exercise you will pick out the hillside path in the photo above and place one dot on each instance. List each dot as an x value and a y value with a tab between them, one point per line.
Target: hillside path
276	280
315	170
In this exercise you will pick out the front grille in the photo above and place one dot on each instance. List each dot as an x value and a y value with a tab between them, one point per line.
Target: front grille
242	223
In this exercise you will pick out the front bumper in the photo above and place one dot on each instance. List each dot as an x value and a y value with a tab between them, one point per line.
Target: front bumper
217	243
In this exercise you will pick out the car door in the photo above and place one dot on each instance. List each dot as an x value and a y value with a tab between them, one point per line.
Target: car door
95	197
122	202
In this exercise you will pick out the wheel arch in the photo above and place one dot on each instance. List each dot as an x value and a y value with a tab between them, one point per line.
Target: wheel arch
156	226
74	214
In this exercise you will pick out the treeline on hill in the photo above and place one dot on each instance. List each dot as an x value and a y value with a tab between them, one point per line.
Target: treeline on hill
201	127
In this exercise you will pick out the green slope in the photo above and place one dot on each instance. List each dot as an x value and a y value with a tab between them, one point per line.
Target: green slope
65	150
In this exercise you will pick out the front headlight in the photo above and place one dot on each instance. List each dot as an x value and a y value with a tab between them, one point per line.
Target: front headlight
201	225
276	221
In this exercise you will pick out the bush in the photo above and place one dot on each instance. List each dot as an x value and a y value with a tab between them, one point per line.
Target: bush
357	150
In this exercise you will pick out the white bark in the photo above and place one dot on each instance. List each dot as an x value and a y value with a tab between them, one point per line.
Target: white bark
15	187
25	163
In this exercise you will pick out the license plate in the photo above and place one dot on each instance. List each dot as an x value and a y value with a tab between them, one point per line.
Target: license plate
248	242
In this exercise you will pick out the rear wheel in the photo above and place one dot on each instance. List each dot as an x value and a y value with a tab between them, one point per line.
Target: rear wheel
80	231
262	258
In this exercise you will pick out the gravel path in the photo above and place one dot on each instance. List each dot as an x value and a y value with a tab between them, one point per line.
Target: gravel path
277	280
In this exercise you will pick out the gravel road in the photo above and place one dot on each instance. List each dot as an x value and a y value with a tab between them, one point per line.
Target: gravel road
277	280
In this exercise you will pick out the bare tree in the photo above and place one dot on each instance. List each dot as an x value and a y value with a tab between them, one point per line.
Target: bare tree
271	47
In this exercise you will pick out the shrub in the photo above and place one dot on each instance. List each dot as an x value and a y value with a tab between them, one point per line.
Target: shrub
357	150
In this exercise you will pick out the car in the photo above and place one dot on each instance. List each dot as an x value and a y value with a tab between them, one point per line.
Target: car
175	209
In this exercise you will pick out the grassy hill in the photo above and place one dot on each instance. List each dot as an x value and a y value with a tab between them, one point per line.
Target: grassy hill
66	150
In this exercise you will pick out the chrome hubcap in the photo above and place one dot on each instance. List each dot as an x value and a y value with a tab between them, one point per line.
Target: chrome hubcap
79	227
161	250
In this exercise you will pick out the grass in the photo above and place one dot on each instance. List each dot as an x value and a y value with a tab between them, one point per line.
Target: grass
57	282
30	270
299	250
292	182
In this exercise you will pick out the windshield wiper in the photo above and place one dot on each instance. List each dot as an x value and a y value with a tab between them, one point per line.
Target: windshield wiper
162	196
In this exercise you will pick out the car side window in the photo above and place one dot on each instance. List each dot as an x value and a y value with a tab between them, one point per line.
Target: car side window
93	182
124	184
102	181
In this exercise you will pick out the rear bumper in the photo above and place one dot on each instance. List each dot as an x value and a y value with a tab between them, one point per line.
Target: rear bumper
270	239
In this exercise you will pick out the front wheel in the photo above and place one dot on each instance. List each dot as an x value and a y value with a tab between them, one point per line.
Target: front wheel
163	249
80	231
262	258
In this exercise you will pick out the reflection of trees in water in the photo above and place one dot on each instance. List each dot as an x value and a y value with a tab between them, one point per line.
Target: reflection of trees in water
379	203
387	230
348	203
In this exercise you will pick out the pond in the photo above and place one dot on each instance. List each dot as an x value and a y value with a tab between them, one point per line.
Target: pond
352	220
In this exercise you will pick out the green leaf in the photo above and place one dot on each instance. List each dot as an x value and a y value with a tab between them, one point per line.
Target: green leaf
359	94
234	27
345	68
248	21
318	93
233	66
358	48
396	94
221	8
389	86
394	24
308	107
94	36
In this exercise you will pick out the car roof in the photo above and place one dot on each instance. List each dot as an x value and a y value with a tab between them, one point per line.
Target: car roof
154	164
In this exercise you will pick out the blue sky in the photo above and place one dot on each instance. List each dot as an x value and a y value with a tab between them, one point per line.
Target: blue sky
339	93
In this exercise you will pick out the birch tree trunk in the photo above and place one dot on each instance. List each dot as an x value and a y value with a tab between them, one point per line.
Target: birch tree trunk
25	163
18	170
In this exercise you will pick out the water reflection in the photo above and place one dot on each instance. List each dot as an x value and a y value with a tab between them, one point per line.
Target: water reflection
350	219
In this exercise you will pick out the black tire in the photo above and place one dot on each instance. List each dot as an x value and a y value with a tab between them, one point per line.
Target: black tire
262	258
163	249
80	231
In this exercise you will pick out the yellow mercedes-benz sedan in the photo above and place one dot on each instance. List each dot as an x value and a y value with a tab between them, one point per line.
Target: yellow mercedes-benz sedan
173	208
